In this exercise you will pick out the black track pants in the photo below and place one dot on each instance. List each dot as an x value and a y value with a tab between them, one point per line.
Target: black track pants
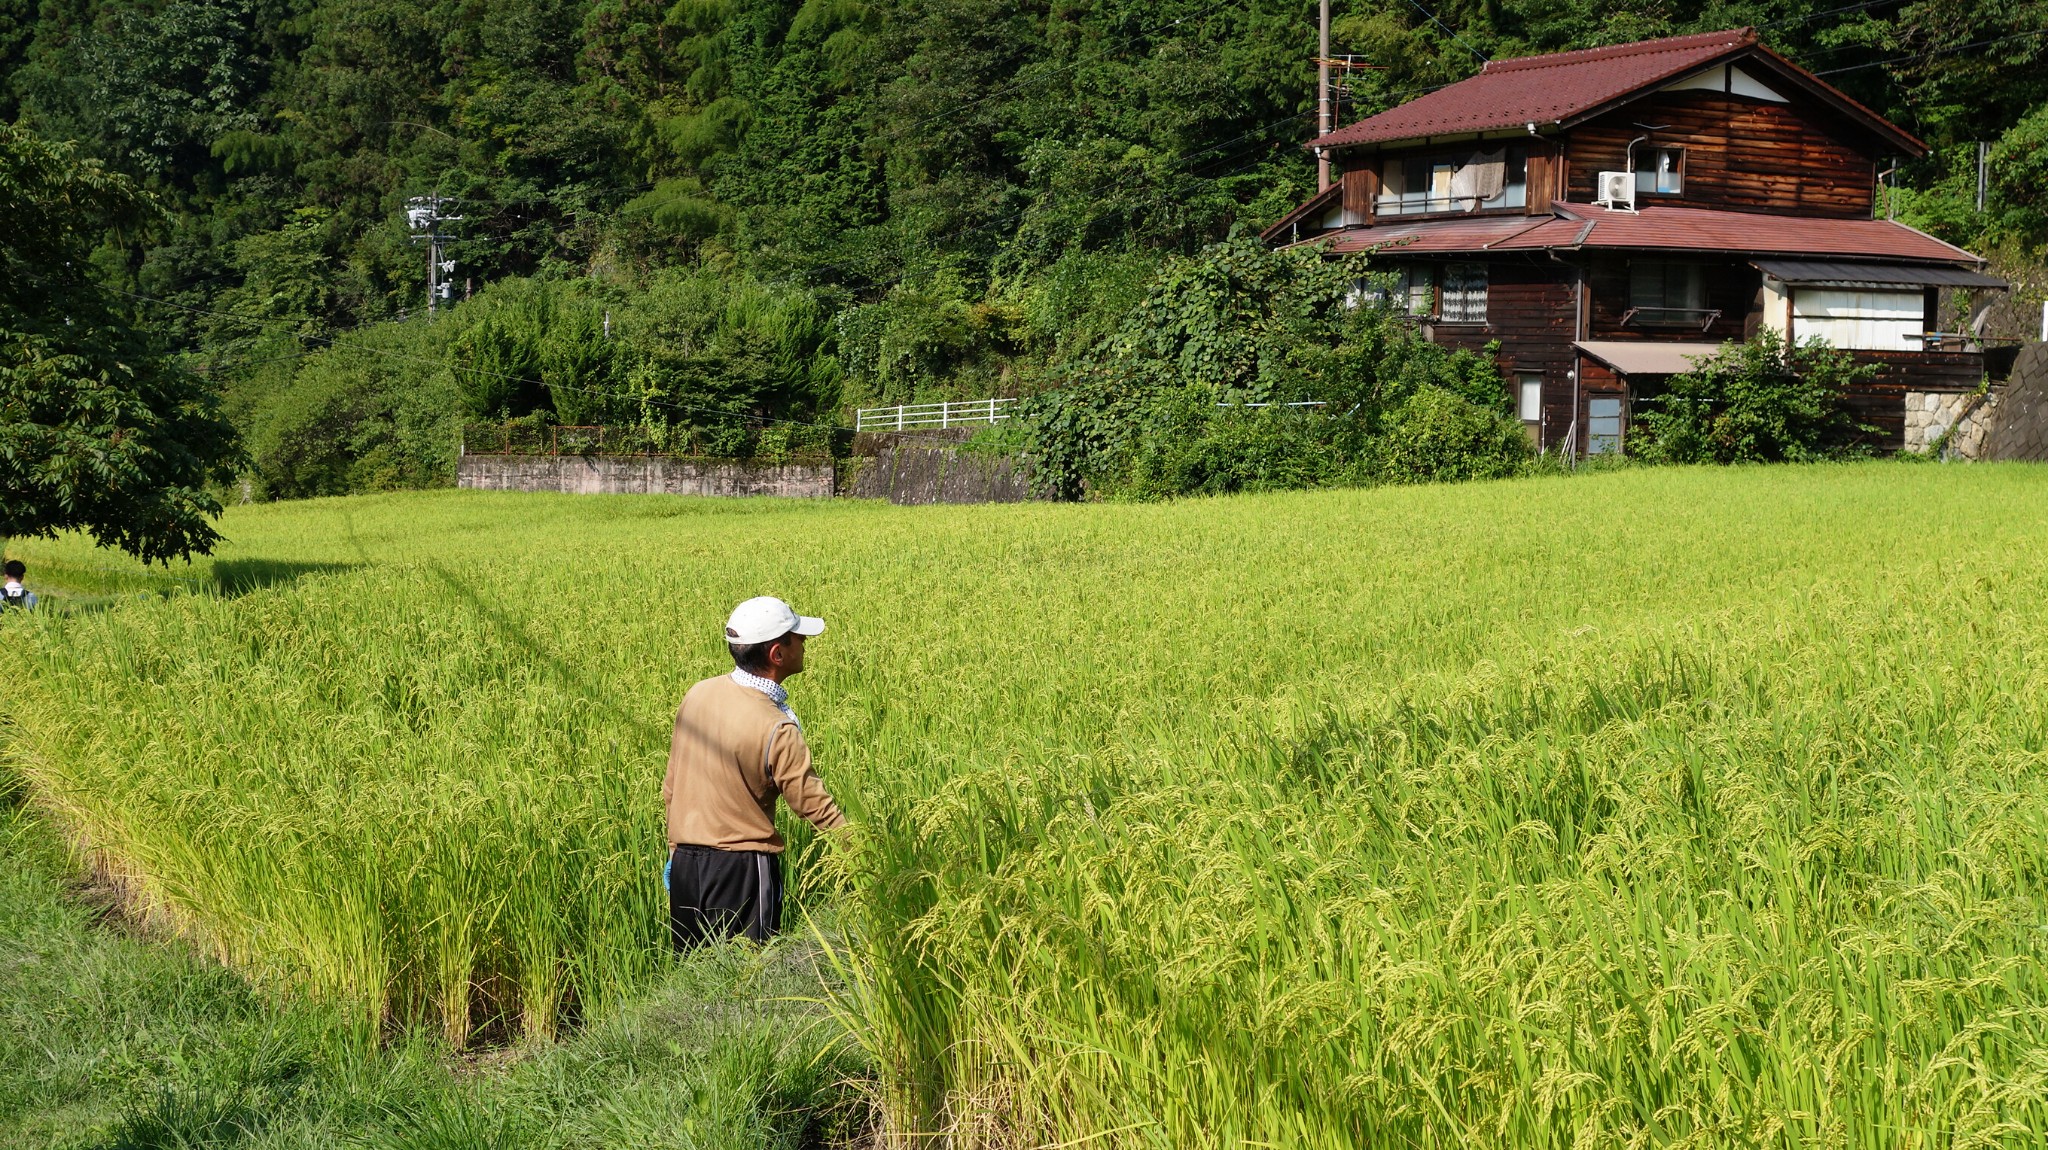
719	894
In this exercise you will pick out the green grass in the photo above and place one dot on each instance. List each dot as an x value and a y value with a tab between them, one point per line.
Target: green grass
1649	808
112	1040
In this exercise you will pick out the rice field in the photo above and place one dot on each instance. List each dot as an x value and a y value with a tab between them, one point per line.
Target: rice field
1652	808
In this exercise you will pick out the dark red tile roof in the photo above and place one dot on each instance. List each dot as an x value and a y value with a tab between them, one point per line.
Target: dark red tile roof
1653	228
1690	229
1541	89
1476	234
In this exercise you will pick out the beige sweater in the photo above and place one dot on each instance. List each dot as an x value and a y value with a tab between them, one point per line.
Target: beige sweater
733	751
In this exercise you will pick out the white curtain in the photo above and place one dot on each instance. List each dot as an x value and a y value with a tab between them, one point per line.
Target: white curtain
1866	320
1482	177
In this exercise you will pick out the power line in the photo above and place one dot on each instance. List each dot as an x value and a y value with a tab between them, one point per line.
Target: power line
1794	20
1010	218
205	368
1016	215
1415	4
503	233
1936	52
1241	152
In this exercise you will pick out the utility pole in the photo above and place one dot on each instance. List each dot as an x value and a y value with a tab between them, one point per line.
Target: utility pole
1983	170
1323	96
426	214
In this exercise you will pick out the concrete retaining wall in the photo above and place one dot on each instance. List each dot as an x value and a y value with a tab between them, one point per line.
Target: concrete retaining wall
927	474
642	475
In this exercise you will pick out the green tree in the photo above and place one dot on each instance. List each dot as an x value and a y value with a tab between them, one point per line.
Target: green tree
951	198
2019	168
98	431
1192	393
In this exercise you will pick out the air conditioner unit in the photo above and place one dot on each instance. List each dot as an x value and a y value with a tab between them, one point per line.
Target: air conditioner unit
1617	190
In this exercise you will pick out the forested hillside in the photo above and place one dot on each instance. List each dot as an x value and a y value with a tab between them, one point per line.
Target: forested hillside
706	216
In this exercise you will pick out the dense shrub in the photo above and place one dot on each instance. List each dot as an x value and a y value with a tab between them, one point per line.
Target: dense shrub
1188	446
720	352
375	412
1191	393
496	353
924	340
1754	402
1436	436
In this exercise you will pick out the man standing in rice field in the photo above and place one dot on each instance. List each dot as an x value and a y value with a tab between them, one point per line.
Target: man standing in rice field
737	745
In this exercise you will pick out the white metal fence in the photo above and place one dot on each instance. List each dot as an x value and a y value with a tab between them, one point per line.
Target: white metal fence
907	416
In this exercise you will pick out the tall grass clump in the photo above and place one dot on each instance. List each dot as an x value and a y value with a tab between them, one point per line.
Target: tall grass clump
1678	808
424	837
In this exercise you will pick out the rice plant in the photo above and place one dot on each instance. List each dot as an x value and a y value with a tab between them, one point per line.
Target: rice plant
1689	808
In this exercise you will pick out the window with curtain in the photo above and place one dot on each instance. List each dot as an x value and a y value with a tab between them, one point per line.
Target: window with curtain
1414	288
1863	320
1463	299
1455	182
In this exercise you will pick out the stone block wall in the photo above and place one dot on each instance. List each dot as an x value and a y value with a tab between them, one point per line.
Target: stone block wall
1930	414
643	475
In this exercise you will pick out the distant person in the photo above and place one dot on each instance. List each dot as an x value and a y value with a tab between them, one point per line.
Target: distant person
737	745
13	594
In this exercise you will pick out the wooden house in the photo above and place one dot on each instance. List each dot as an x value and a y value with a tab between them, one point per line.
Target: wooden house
1609	215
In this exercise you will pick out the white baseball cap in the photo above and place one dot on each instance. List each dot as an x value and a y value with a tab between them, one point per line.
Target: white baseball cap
759	620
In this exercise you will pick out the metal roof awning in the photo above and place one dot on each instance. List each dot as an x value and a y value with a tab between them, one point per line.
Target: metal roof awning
1843	274
1646	357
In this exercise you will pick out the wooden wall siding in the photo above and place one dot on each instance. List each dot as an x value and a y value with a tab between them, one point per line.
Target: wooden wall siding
1731	287
1740	154
1361	184
1881	403
1529	310
1542	178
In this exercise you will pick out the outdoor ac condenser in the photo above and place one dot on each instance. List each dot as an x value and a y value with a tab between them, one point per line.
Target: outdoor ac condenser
1617	190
